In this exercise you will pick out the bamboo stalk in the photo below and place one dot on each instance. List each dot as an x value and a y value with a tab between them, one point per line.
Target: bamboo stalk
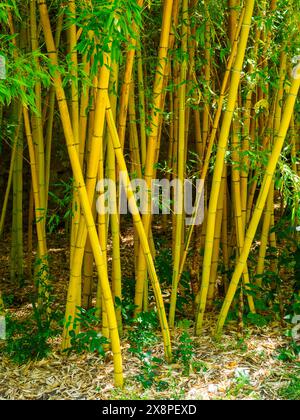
74	158
10	174
212	137
141	232
180	163
153	138
232	96
279	141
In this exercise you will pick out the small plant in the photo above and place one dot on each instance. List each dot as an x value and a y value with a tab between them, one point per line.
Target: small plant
27	346
199	366
292	390
29	338
258	319
127	309
8	300
241	384
89	339
163	264
292	351
289	353
62	211
185	295
164	268
185	352
241	345
150	371
142	336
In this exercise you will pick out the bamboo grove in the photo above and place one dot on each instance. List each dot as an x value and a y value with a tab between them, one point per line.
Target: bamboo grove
171	89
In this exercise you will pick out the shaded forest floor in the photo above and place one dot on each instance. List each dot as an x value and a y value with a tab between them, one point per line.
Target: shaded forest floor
240	366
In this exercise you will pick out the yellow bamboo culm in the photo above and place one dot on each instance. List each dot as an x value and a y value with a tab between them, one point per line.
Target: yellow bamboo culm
113	214
37	125
39	210
74	291
222	145
90	224
10	174
180	163
74	120
50	117
205	164
125	90
141	231
2	308
279	141
237	208
142	105
152	141
267	222
16	266
42	246
216	246
265	236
